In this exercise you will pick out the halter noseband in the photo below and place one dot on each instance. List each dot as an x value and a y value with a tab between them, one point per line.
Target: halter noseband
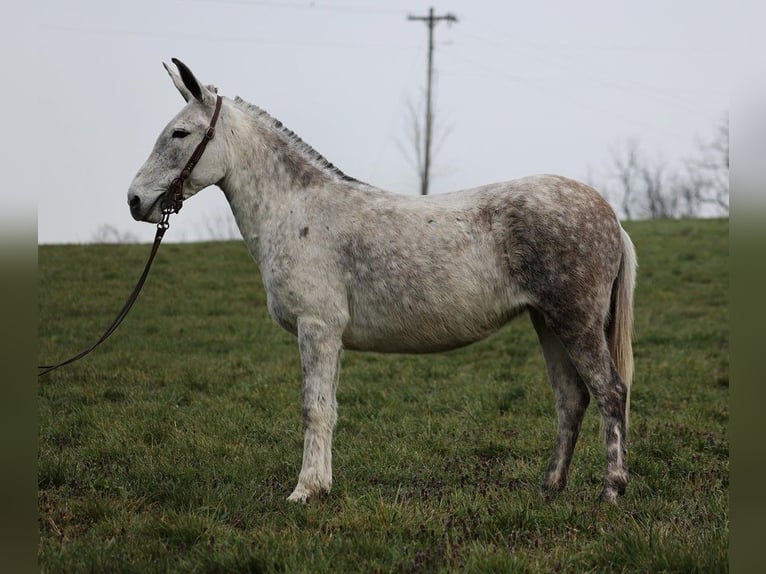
172	200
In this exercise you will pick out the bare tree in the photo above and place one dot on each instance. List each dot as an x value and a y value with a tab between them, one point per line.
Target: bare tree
642	185
708	172
647	188
660	200
625	170
414	148
108	233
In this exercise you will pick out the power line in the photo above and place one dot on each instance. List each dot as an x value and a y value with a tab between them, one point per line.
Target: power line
431	21
205	37
308	6
540	85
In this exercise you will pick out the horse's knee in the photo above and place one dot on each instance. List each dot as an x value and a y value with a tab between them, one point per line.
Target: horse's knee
573	403
319	417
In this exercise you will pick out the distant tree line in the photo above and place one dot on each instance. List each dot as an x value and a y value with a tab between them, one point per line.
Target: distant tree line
642	187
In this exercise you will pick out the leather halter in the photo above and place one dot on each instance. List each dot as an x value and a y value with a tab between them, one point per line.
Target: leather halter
170	202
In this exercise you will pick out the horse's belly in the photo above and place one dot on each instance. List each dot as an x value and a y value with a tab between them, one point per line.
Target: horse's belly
409	326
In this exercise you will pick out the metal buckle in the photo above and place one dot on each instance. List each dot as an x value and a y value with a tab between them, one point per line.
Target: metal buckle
165	221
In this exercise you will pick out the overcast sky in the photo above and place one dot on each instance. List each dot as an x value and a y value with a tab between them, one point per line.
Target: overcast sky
522	88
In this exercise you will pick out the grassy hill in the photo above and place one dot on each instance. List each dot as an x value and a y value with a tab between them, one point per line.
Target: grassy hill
174	446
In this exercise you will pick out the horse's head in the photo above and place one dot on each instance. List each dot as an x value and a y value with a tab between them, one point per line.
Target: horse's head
175	145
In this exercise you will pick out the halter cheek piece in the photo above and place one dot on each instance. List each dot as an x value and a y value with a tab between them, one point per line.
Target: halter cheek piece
170	202
173	199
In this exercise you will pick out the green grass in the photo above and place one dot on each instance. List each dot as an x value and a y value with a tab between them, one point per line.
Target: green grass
174	446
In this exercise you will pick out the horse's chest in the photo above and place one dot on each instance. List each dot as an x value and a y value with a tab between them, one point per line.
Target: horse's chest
300	284
281	298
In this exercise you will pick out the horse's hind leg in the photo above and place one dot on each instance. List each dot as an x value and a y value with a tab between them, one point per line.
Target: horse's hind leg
571	401
588	350
320	348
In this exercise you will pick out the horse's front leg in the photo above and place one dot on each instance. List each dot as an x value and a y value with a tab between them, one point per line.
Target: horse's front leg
320	347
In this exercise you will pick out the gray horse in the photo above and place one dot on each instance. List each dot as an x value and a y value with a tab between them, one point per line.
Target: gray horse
348	266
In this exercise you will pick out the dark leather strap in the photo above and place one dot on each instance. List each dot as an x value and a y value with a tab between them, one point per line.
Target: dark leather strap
173	199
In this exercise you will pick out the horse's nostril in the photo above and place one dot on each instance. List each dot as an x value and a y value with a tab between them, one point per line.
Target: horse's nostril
134	202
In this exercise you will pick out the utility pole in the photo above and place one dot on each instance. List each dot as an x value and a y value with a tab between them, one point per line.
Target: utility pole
431	21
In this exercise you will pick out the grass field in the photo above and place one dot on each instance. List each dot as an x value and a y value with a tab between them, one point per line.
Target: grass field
174	446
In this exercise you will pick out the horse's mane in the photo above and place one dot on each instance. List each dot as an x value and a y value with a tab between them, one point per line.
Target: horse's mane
292	138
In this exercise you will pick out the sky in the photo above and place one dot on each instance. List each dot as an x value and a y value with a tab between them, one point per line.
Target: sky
521	88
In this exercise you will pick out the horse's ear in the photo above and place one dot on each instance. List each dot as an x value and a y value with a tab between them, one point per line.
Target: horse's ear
188	85
178	82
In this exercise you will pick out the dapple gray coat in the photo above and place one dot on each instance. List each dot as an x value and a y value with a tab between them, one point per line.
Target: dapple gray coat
348	266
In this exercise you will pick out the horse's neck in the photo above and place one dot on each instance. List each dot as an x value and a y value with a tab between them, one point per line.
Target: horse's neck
265	169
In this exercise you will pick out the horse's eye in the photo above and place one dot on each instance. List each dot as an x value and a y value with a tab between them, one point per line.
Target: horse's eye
180	134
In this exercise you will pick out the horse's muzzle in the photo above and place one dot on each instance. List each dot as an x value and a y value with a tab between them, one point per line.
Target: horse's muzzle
141	210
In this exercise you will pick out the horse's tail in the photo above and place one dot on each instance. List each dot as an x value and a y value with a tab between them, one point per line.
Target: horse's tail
620	327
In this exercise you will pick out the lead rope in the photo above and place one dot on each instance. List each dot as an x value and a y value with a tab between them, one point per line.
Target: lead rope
162	227
170	202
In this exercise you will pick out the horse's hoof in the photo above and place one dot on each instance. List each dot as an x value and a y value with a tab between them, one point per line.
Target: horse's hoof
609	495
552	485
300	494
